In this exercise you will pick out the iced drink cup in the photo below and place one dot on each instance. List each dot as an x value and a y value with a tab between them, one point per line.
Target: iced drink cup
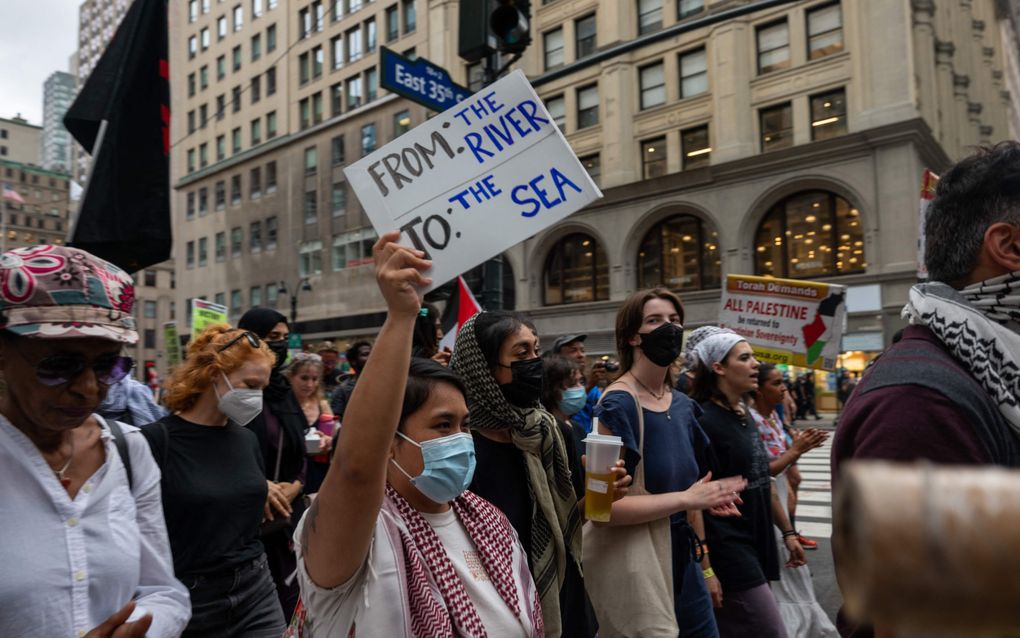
603	451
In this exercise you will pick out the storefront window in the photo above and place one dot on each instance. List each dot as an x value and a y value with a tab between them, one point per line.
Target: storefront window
680	253
810	234
576	270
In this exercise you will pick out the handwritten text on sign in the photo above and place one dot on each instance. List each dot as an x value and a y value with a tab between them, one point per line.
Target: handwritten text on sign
785	320
475	180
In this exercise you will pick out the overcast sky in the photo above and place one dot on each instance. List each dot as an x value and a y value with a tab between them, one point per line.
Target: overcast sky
36	38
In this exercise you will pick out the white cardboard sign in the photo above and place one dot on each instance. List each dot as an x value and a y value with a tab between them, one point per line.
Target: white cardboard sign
482	176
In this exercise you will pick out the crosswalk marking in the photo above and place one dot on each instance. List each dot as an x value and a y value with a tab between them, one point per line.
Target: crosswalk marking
814	497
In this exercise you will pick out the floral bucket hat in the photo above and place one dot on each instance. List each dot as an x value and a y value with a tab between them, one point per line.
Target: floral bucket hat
58	292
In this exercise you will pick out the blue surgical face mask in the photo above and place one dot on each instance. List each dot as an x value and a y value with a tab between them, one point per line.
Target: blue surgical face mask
449	466
573	400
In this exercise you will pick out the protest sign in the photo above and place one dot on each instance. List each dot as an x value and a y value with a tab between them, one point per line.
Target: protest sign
204	314
928	182
787	321
173	344
484	175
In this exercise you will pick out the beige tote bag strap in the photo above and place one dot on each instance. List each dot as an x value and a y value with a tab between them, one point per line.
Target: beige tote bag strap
638	486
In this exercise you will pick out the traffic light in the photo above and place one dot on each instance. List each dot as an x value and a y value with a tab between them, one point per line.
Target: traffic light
510	23
488	26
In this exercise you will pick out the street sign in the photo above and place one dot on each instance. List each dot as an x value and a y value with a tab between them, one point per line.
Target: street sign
293	341
420	81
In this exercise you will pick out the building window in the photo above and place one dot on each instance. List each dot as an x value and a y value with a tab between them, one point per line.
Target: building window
475	77
688	8
695	146
256	8
150	309
305	110
588	106
311	160
204	35
773	47
304	70
235	190
235	56
255	182
653	86
236	99
256	47
776	127
149	339
653	158
271	177
235	140
192	11
336	150
584	32
353	93
649	13
410	16
371	84
401	123
221	27
190	254
557	108
219	298
192	47
191	85
191	122
256	89
828	115
190	214
150	278
236	302
392	24
256	132
370	35
270	38
553	43
336	99
368	139
310	258
339	198
593	165
576	270
271	231
203	202
272	293
191	160
353	38
270	125
238	18
221	67
221	195
311	206
693	73
353	248
318	60
221	107
203	251
236	241
810	234
680	253
255	296
255	241
270	81
336	51
221	246
825	31
304	23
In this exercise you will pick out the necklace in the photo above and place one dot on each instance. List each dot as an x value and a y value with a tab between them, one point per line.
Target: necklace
65	482
658	397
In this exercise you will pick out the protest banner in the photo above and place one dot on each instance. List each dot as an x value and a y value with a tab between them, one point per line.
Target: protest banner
787	321
173	343
204	314
469	183
929	181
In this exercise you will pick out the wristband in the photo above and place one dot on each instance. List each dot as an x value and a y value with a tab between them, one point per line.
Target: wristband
708	573
789	533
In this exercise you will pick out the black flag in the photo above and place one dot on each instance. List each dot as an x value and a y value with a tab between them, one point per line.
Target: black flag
122	116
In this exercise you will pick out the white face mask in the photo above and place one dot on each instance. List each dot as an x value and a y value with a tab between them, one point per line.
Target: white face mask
239	405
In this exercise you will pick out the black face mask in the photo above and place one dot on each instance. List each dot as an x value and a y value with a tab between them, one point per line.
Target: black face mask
525	389
662	346
279	348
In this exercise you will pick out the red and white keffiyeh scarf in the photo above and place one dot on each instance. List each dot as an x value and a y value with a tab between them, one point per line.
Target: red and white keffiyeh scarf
427	564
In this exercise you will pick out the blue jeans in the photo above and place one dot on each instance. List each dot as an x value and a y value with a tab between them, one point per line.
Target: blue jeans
693	604
239	603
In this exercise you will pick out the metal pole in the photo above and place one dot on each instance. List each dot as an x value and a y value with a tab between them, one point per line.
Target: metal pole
293	309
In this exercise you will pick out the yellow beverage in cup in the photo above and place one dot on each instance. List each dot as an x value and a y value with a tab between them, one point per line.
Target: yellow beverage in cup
602	453
598	496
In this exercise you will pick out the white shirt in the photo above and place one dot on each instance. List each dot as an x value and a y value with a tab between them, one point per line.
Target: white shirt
373	598
68	565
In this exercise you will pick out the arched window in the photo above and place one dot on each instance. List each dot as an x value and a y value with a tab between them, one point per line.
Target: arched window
810	234
576	270
680	253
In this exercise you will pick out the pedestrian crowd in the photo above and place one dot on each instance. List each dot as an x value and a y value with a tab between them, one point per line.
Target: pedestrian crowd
433	492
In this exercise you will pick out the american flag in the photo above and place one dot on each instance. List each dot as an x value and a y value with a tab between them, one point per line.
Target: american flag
11	194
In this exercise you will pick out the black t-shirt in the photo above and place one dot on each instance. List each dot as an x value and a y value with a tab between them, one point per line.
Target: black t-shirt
744	553
214	491
501	477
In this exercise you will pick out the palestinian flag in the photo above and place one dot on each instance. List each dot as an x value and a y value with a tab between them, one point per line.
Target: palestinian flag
461	307
816	331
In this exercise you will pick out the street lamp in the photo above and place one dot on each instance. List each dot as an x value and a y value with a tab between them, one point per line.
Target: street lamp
302	284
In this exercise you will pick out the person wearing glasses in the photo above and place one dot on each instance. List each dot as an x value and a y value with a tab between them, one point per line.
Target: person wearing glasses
85	550
215	493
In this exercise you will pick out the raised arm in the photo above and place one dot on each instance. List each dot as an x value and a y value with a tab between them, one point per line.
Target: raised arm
338	526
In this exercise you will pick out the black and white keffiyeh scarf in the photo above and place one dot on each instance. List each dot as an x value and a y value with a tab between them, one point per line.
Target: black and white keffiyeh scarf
980	325
556	519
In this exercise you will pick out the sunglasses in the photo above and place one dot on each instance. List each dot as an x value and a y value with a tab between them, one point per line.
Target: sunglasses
251	337
60	369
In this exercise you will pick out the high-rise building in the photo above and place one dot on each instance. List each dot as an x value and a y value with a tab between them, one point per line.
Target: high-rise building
58	93
781	141
19	140
42	219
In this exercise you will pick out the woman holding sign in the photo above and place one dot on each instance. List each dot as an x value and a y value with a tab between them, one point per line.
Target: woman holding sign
662	444
393	543
525	460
